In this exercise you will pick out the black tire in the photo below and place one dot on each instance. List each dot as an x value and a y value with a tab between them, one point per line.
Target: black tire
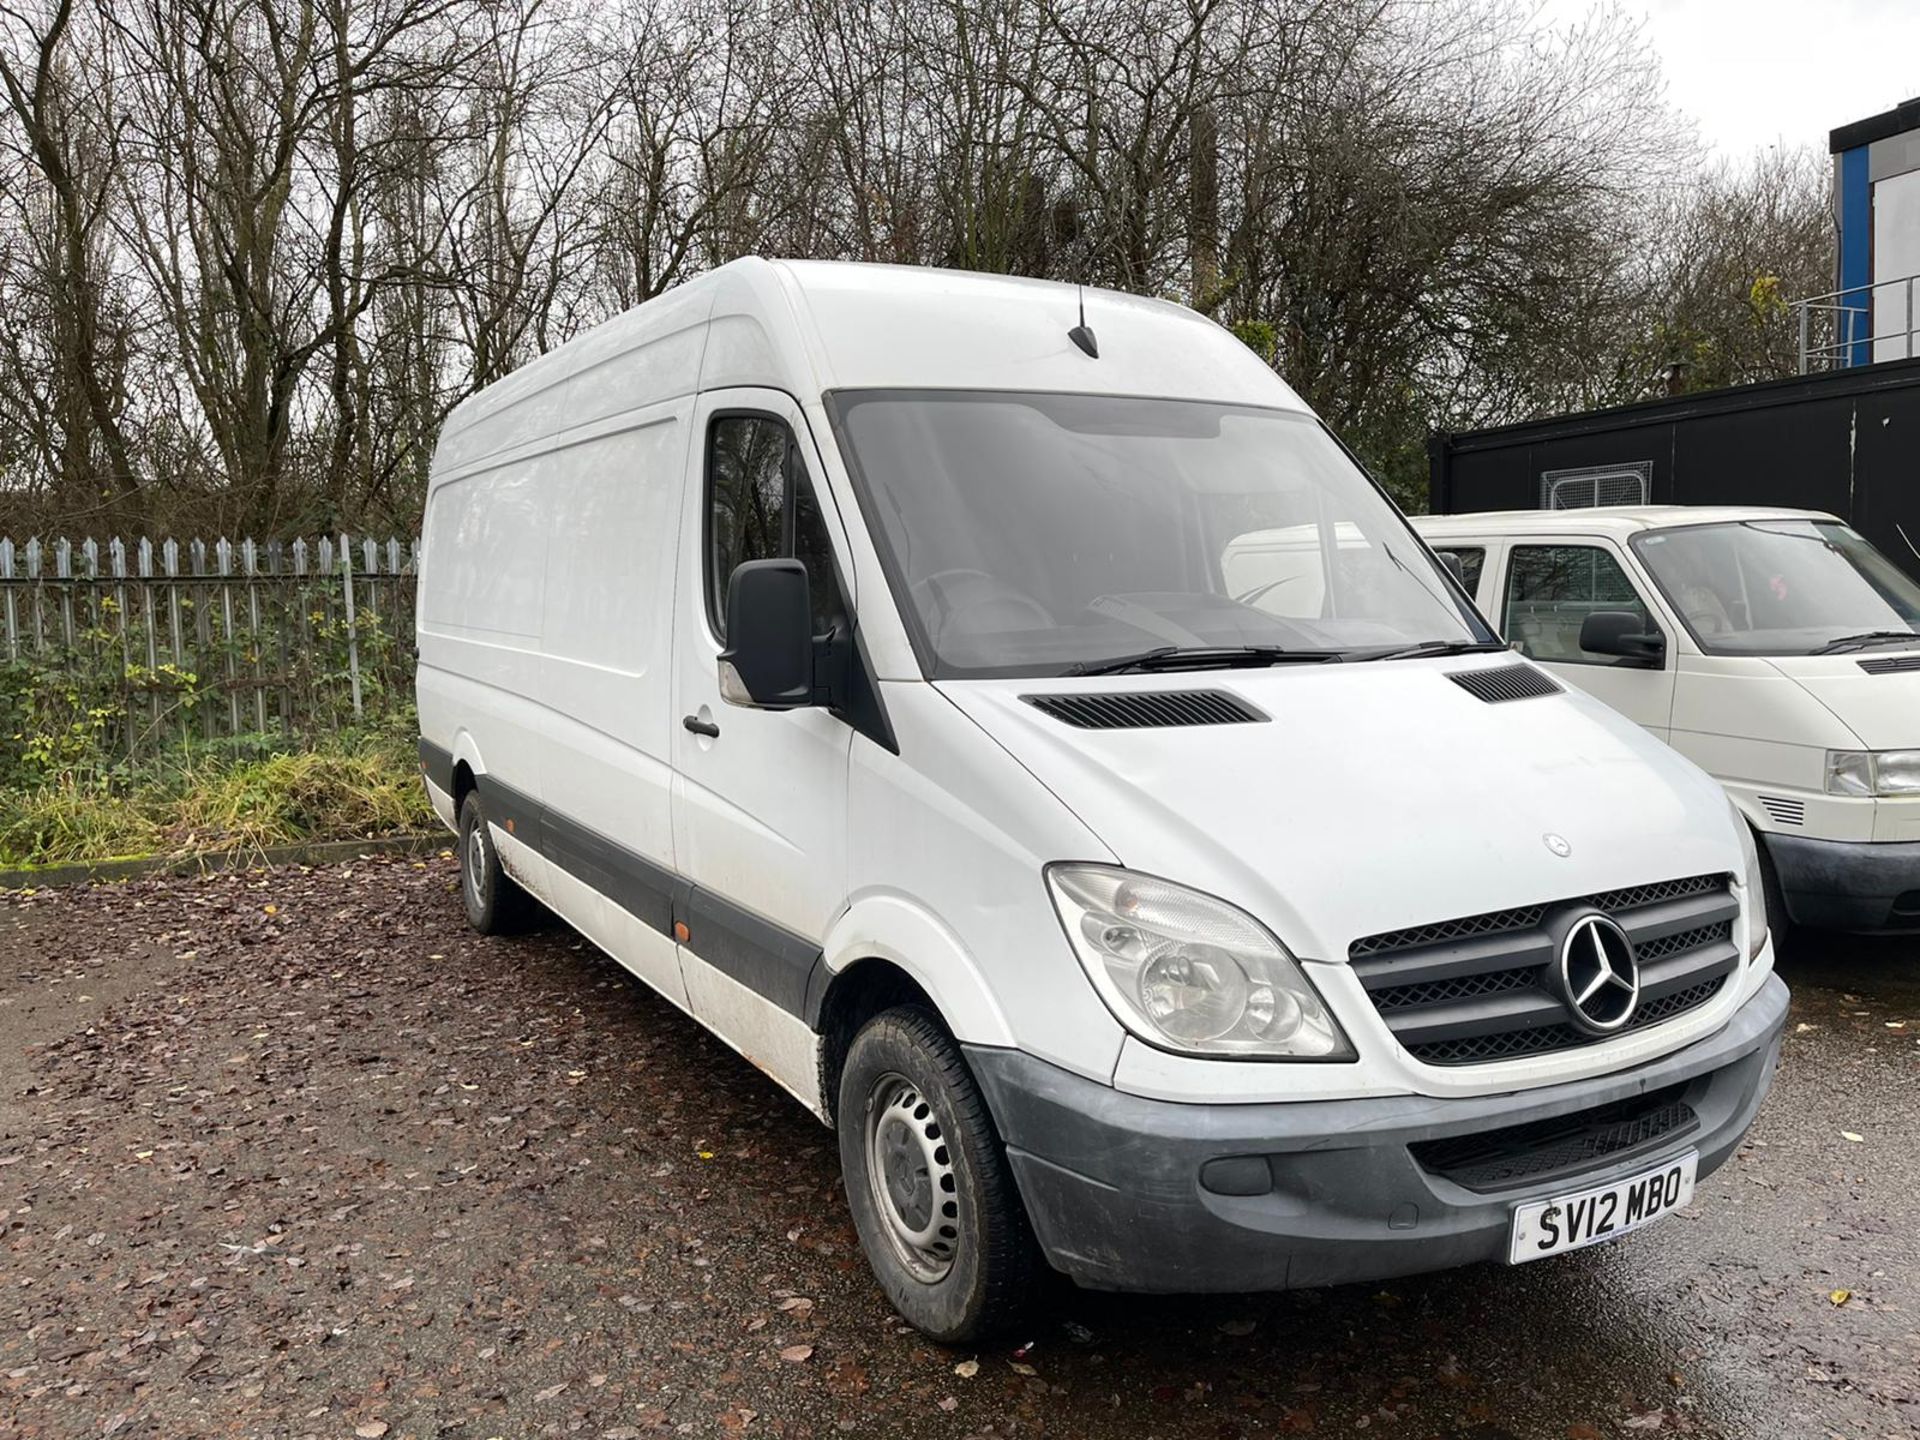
904	1066
494	902
1779	923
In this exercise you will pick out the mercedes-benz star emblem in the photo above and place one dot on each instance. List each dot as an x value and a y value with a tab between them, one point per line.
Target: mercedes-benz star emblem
1599	976
1557	844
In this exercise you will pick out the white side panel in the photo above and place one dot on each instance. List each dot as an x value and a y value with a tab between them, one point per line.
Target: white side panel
648	355
605	678
777	1043
487	536
637	946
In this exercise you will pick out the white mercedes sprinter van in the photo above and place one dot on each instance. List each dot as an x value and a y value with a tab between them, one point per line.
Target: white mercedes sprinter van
850	652
1776	649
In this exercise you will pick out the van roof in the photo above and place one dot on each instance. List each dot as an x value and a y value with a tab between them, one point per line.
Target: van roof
808	326
1601	519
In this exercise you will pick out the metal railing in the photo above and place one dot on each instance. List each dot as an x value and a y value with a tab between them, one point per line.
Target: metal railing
164	644
1861	325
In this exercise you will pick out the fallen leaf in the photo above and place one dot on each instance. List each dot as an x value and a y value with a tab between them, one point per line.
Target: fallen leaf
1020	1369
1849	1135
797	1354
1839	1297
949	1404
371	1430
551	1392
849	1377
1236	1327
967	1369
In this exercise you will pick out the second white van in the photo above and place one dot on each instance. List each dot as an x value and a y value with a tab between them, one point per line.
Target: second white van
1777	649
1010	719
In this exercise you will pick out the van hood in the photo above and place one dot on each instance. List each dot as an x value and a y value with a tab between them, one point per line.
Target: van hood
1375	796
1882	709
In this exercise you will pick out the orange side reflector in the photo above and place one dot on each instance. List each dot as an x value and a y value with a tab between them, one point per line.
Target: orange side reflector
680	931
509	827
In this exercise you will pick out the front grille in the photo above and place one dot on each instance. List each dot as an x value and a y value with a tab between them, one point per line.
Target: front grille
1564	1146
1480	988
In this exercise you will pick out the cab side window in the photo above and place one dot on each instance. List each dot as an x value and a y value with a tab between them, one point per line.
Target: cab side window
761	506
1551	589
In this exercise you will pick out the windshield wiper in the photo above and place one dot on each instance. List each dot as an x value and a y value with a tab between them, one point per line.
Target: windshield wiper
1864	639
1200	657
1436	647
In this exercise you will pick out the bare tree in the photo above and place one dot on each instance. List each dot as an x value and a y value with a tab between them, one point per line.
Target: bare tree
252	251
59	91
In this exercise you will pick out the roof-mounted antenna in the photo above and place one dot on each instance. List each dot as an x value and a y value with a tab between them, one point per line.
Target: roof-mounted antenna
1080	334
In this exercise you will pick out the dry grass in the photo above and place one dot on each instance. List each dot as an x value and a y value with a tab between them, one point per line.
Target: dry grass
352	787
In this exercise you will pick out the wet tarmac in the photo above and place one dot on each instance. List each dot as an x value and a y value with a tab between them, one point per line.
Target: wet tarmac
297	1155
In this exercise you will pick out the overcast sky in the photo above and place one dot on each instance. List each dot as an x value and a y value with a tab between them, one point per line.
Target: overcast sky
1755	73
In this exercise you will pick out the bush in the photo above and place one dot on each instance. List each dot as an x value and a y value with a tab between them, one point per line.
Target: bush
246	793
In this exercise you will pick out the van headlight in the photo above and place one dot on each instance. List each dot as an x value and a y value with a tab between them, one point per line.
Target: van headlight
1873	772
1756	884
1186	972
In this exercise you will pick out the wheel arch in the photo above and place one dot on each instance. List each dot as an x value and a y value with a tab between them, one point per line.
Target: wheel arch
884	951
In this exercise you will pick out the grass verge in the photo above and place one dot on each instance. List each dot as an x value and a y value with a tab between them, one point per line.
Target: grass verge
235	797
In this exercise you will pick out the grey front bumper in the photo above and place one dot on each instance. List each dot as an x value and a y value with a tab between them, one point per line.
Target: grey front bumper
1848	884
1113	1182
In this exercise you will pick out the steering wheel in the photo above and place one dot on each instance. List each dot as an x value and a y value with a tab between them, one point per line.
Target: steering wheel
942	586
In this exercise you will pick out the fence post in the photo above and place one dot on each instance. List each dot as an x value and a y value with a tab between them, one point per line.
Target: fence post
117	564
250	567
353	633
170	569
6	588
63	574
33	577
143	570
223	562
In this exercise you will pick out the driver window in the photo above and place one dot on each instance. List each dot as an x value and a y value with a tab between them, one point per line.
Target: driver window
1551	589
761	506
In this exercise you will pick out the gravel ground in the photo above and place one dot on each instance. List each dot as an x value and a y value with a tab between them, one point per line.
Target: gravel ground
295	1154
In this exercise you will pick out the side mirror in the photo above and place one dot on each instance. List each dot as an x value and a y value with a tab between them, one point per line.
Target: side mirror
1452	562
1622	633
768	662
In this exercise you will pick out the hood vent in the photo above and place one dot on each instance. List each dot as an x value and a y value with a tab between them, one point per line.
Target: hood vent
1509	682
1146	710
1891	664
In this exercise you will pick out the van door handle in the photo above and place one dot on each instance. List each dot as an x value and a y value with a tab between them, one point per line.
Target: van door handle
701	727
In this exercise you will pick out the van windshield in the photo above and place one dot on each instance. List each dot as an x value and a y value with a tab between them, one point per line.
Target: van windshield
1047	534
1782	587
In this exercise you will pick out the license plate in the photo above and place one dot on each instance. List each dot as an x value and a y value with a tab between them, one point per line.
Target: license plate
1571	1222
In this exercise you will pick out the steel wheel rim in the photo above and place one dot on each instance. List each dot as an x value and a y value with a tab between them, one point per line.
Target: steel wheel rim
476	864
911	1178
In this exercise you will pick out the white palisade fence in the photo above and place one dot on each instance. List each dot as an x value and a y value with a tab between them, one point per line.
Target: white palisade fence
148	644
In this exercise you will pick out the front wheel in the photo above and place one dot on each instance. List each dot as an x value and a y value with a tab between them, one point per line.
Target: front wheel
927	1180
